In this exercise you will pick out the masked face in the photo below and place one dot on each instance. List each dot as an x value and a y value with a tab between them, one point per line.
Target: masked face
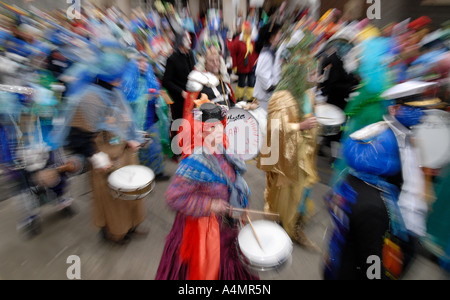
408	116
246	30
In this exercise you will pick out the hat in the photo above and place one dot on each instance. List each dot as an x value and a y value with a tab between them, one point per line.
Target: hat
419	23
413	93
211	112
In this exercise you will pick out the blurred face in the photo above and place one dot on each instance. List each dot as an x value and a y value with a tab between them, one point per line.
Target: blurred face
143	65
247	31
116	82
187	42
275	40
213	134
212	63
393	109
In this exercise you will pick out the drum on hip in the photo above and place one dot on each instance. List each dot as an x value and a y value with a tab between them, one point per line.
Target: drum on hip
132	182
272	251
330	118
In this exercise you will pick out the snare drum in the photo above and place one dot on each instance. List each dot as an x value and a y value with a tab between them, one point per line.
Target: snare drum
131	182
432	137
244	133
330	117
276	245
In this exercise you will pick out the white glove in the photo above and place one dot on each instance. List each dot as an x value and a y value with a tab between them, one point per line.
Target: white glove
100	160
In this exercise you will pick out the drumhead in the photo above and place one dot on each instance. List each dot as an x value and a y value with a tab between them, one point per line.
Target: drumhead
131	178
432	137
244	134
329	114
277	245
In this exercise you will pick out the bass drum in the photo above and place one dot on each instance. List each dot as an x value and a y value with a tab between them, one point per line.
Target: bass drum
244	134
432	138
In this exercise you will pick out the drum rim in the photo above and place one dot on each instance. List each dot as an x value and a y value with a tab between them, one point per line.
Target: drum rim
248	156
131	190
130	196
331	130
281	264
336	109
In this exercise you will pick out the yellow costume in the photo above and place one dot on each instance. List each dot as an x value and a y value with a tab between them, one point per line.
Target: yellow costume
292	173
291	177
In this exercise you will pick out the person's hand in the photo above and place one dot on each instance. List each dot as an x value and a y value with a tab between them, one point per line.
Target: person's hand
104	169
153	92
309	123
134	145
101	162
184	94
220	207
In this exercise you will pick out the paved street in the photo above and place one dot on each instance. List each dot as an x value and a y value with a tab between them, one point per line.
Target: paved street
45	256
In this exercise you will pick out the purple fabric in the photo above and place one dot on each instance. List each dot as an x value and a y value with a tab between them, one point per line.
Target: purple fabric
231	268
170	267
193	197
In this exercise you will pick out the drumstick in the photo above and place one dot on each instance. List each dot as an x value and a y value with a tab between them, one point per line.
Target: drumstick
68	167
254	211
324	118
254	232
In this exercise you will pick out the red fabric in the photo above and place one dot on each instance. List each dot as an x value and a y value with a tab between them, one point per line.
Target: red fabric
304	13
200	248
238	51
188	139
189	103
139	46
232	97
230	46
419	23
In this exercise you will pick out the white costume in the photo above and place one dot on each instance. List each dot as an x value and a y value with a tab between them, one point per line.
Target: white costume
411	201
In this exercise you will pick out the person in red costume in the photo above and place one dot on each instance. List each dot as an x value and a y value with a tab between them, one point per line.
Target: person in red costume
244	62
208	82
202	242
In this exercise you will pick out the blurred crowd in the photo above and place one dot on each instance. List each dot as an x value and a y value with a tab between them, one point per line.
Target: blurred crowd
58	77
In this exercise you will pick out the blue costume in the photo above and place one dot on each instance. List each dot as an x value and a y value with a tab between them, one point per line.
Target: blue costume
140	89
363	207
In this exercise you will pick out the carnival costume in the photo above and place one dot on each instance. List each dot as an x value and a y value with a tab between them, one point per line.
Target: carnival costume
201	244
290	179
